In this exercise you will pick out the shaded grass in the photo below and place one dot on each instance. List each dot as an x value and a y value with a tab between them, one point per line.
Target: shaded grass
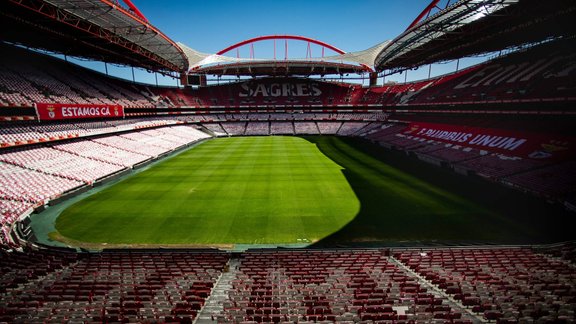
406	201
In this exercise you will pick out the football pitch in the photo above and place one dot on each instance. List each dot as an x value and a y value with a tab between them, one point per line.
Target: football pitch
290	190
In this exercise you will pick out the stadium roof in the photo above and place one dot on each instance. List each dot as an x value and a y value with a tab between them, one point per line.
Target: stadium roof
92	29
471	27
218	64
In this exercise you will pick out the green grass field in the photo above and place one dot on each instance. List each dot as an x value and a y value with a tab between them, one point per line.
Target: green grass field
228	190
328	190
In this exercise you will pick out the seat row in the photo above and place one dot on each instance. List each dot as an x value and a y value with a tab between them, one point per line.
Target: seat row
506	285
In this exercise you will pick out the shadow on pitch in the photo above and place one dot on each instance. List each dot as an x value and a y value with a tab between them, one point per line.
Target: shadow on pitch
498	215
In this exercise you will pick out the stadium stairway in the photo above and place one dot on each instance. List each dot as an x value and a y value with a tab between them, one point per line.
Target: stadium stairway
453	303
215	302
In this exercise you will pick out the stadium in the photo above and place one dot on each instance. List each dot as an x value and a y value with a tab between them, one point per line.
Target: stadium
288	188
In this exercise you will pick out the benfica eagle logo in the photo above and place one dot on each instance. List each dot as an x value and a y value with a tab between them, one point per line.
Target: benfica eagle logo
549	148
51	112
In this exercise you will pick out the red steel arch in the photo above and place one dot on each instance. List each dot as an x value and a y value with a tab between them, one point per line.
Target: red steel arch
291	37
424	12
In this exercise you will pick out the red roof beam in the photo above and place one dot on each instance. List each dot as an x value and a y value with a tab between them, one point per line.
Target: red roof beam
424	12
135	9
144	21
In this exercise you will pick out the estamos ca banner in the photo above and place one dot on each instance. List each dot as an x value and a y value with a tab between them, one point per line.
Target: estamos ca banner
51	111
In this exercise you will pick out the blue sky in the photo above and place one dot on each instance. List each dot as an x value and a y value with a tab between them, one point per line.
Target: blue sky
211	25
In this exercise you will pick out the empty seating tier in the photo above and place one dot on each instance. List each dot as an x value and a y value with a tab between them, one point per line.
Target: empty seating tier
340	286
441	285
509	285
135	287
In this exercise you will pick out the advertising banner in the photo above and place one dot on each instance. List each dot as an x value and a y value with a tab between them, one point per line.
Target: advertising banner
507	142
50	111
